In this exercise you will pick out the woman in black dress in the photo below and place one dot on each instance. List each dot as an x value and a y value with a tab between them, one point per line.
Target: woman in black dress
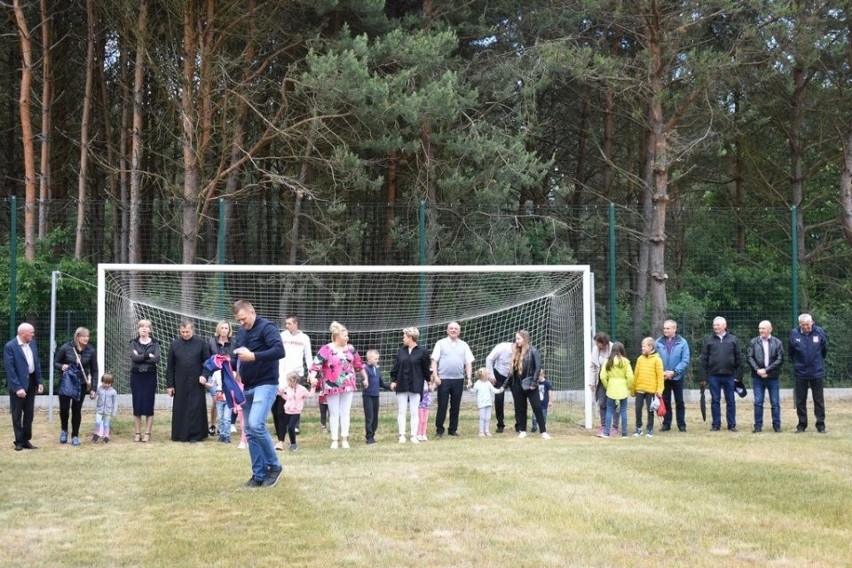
144	356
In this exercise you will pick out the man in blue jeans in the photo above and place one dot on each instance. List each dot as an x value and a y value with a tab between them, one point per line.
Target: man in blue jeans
765	357
257	349
674	351
721	365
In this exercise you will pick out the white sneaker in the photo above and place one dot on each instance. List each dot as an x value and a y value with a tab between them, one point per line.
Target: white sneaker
242	446
522	434
344	444
423	438
414	440
545	436
402	439
233	428
334	444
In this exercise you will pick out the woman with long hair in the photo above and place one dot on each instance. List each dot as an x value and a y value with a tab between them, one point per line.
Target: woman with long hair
617	379
525	374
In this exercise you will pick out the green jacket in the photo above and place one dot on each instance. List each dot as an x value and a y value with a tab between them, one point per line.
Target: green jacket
618	380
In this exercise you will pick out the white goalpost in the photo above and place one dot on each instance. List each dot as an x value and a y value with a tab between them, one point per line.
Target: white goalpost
553	303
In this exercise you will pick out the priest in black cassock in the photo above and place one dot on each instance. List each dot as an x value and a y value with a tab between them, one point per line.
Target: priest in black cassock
187	385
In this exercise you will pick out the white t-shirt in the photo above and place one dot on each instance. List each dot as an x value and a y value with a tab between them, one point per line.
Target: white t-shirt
297	355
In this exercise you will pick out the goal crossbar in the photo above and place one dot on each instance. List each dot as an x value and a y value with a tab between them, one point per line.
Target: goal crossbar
584	327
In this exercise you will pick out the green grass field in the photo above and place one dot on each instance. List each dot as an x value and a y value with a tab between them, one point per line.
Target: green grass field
694	499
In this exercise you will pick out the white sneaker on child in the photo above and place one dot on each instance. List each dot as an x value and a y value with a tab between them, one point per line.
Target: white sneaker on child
334	444
522	434
402	439
242	446
545	436
415	440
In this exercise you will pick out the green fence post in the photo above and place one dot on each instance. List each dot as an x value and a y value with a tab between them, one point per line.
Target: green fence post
13	267
220	256
794	265
613	315
421	229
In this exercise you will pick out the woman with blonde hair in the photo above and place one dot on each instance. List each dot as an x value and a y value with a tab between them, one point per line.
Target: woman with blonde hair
524	375
337	363
220	344
144	356
79	354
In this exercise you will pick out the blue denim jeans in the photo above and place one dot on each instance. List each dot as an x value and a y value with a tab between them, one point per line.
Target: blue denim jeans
718	383
261	449
610	410
223	412
759	388
543	413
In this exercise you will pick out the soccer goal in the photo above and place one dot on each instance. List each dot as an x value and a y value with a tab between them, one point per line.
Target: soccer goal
491	303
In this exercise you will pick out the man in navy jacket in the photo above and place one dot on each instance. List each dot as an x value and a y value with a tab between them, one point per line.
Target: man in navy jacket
257	349
807	349
23	377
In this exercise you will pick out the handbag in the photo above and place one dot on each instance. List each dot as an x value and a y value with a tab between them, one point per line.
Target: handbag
69	385
661	411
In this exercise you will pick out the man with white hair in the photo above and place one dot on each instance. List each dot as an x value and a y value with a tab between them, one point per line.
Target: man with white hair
721	365
23	377
765	357
807	348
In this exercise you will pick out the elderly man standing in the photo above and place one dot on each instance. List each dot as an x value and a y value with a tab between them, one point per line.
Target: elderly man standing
674	351
765	357
452	361
23	377
721	365
498	365
807	348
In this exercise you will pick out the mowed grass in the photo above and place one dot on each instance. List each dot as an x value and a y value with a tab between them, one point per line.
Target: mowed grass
696	499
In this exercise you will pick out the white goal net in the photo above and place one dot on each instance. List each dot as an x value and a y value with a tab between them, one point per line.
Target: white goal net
375	303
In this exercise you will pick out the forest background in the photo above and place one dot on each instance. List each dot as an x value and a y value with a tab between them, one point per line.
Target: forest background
705	145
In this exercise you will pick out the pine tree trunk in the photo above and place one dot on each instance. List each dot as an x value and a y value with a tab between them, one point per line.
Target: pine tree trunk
84	130
27	133
134	244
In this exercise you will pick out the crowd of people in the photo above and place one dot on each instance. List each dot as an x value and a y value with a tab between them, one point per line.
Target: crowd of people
659	373
261	370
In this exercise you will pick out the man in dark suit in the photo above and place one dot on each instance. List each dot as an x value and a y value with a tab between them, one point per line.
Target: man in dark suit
23	377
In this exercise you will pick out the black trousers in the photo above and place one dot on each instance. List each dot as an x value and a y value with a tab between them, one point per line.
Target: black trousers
23	410
67	403
291	424
279	419
449	394
674	388
499	400
371	415
521	397
816	386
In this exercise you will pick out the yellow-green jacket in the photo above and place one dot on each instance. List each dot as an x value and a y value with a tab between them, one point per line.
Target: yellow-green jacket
618	380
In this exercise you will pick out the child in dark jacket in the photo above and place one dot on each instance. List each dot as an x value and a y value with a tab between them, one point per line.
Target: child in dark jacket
544	388
372	387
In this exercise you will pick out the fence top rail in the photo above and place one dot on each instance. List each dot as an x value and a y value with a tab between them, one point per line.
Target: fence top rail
331	269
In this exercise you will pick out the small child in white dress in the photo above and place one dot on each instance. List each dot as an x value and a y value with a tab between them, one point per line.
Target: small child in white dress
484	391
